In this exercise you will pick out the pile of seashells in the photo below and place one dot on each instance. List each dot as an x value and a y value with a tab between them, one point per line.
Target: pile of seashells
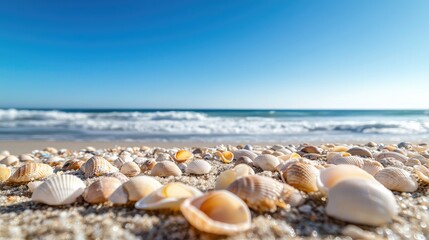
357	181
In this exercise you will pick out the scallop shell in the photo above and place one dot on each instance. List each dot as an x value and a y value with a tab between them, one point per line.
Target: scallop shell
423	173
97	166
361	201
244	160
130	169
198	167
100	190
59	190
33	185
360	151
244	152
168	196
267	162
226	156
135	189
394	155
264	193
217	212
301	176
4	173
165	169
30	172
352	160
10	160
371	167
397	179
183	155
230	175
74	164
331	176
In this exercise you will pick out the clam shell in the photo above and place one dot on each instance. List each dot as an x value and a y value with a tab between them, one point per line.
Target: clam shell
121	161
165	169
74	164
33	185
244	152
301	176
332	156
289	156
97	166
217	212
164	157
352	160
26	158
397	179
59	190
198	167
267	162
310	149
340	149
30	172
360	151
100	190
10	160
394	155
371	167
140	186
183	155
4	173
130	169
244	160
361	201
168	196
264	193
230	175
226	156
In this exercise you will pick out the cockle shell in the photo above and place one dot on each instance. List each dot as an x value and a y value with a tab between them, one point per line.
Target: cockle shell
264	193
97	166
168	196
10	160
267	162
4	173
130	169
100	190
361	201
198	167
230	175
301	176
423	173
226	156
331	176
183	155
217	212
352	160
33	185
394	155
59	190
73	164
397	179
30	172
243	152
135	189
371	167
360	151
165	169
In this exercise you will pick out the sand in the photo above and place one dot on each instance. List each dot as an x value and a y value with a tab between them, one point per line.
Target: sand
21	218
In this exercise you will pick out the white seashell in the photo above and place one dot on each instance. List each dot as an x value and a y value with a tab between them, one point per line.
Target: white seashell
352	160
360	151
165	169
361	201
394	155
10	160
397	179
371	167
33	185
244	152
26	158
182	166
59	190
198	167
267	162
230	175
217	212
136	188
423	173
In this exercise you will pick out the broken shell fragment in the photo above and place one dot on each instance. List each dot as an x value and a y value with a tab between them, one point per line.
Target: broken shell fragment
30	172
423	173
183	155
59	190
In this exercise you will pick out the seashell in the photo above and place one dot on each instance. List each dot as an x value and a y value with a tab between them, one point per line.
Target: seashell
244	160
301	176
391	162
360	151
340	149
100	190
165	169
164	157
421	158
312	156
310	149
138	188
412	162
267	151
400	152
289	156
226	156
207	156
394	155
4	173
278	153
352	160
264	193
120	176
267	162
230	175
371	167
59	190
130	169
183	155
33	185
371	144
198	167
74	164
4	153
283	166
248	147
118	162
397	179
90	149
10	160
361	201
244	152
168	196
332	156
119	196
55	160
97	166
26	158
51	150
30	172
147	165
217	212
182	166
423	173
331	176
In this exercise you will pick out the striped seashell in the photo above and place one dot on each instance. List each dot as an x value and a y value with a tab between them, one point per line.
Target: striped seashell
264	193
74	164
332	156
243	152
165	169
360	151
30	172
310	149
97	166
397	179
394	155
59	190
352	160
100	190
198	167
147	165
267	162
301	176
371	167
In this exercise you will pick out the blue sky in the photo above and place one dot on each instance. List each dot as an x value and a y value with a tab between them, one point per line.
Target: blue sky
215	54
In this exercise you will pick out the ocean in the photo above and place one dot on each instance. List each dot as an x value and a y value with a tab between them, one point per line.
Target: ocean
214	125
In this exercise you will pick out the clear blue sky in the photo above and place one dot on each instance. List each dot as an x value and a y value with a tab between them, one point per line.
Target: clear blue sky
215	54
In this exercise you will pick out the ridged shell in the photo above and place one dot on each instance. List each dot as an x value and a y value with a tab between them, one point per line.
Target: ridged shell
74	164
30	172
371	167
10	160
168	196
130	169
4	173
352	160
226	156
98	166
422	173
217	212
243	152
59	190
394	155
267	162
362	202
230	175
183	155
332	156
198	167
100	190
165	169
264	193
397	179
301	176
360	151
141	186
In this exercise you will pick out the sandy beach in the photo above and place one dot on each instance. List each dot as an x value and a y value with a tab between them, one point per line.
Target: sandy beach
22	218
